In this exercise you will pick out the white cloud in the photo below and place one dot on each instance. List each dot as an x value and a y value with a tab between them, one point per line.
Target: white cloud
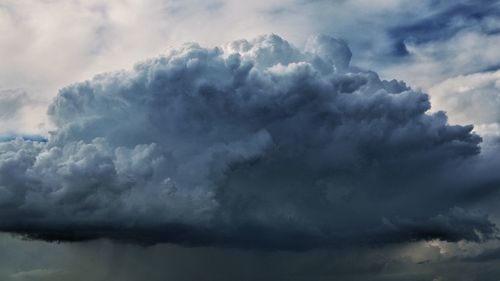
471	99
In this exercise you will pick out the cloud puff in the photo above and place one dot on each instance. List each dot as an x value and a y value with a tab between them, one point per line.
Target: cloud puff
253	144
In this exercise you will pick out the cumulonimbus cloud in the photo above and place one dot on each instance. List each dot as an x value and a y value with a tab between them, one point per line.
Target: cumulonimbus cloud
253	144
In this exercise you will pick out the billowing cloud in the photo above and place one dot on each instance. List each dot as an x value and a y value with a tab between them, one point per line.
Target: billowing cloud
253	144
475	99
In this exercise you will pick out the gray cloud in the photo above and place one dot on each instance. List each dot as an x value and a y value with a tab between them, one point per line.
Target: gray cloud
443	39
11	102
254	144
446	20
18	110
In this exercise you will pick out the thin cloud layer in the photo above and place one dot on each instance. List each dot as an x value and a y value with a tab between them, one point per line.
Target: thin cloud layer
445	19
254	144
17	109
10	103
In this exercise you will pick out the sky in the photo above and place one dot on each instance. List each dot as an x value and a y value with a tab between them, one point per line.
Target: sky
249	140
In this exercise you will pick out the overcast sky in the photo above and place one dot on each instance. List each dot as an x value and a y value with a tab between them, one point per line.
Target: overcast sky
249	140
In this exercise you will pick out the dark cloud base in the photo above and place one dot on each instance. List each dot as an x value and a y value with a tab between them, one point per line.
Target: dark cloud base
452	227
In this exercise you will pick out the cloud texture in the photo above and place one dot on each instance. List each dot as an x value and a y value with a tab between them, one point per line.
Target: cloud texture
253	144
471	98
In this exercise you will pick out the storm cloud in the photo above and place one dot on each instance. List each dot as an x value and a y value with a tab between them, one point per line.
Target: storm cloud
252	144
